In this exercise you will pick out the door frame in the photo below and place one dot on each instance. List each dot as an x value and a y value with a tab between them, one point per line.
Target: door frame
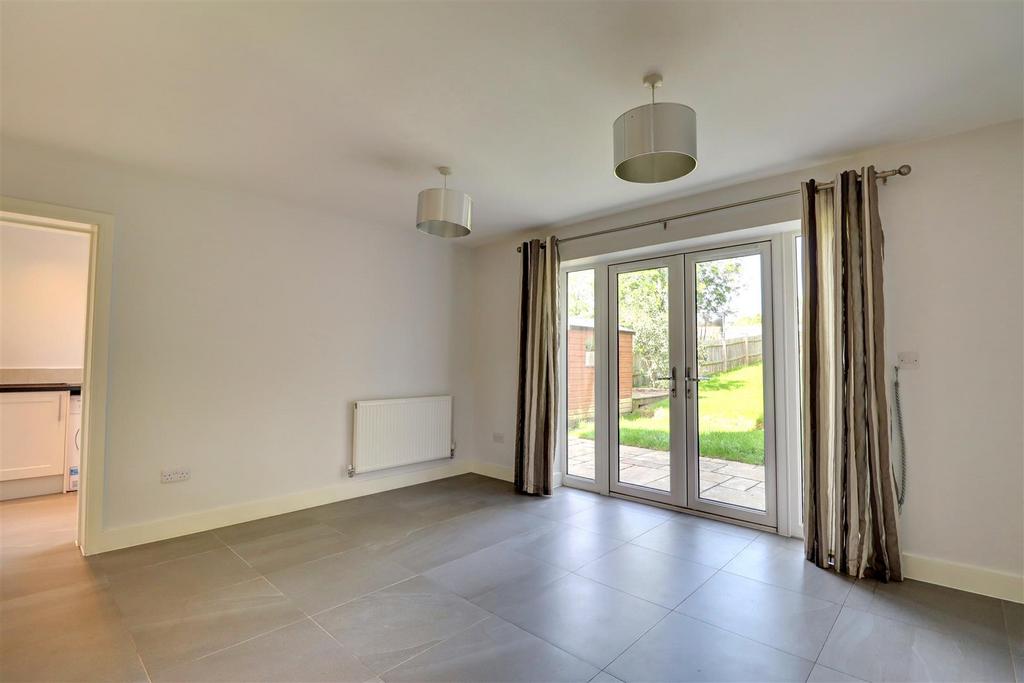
691	259
786	359
100	228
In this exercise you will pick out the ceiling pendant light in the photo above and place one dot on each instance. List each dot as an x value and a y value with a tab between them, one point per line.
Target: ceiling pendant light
655	142
444	212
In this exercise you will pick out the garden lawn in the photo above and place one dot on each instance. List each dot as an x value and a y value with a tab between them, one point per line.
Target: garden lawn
730	412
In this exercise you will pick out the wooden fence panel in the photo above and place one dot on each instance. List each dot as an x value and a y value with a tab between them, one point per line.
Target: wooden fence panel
728	354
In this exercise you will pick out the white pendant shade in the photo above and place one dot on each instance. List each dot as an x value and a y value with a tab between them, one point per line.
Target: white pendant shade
444	212
655	142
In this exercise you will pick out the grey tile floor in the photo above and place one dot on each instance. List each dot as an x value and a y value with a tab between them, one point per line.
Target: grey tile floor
461	580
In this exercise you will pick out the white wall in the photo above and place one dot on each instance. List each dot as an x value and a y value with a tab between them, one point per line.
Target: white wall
242	328
44	278
954	293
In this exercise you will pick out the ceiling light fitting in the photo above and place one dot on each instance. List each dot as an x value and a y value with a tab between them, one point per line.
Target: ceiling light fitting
655	142
444	212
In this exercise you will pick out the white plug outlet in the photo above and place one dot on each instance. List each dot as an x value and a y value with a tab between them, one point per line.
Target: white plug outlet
175	475
498	437
908	360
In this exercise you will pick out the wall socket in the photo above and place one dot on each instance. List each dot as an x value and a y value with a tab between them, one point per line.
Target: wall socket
908	360
171	476
498	437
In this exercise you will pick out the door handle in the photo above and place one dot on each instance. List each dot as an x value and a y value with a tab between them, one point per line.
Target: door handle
691	380
671	378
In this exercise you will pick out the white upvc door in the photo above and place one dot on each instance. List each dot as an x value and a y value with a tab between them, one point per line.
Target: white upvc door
645	346
638	340
729	383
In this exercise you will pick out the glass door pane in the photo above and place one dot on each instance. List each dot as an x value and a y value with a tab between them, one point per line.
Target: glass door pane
644	348
728	383
580	364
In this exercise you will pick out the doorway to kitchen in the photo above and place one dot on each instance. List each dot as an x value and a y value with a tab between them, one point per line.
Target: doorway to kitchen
54	267
683	348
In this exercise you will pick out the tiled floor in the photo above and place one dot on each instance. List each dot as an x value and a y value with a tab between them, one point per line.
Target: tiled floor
460	580
720	480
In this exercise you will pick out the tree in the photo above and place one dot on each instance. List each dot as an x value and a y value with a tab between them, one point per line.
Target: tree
716	284
643	308
580	292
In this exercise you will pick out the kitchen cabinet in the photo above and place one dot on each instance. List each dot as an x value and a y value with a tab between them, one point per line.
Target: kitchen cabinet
33	432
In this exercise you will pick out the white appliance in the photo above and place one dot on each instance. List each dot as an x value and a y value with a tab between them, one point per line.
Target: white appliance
73	451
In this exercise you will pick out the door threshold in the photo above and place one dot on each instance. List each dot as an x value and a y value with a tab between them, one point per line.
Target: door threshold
695	513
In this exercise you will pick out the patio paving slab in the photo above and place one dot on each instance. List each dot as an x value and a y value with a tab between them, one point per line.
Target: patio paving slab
737	483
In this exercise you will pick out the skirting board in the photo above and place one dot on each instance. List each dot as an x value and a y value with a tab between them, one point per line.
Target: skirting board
503	472
489	469
116	538
965	577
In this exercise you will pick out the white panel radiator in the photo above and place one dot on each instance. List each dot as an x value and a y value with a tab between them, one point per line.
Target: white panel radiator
401	431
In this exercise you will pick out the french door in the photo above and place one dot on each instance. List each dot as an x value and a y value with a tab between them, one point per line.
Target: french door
689	419
645	342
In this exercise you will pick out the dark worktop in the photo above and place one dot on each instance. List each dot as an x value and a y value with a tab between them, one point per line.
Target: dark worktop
75	389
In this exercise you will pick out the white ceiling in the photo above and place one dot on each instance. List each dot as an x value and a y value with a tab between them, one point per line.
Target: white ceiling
351	105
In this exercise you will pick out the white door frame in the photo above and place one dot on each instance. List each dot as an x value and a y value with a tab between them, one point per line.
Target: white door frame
100	228
696	502
787	372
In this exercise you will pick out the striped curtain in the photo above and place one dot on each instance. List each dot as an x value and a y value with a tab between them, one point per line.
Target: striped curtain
537	401
849	495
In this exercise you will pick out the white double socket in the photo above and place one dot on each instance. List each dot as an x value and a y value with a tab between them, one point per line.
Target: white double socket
175	475
908	360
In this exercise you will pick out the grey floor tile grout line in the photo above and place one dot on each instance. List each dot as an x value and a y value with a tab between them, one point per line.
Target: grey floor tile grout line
668	612
828	635
720	570
1009	640
161	562
576	572
319	523
775	585
342	646
957	635
495	615
887	617
639	637
138	656
229	546
781	588
438	643
741	635
131	636
675	609
364	595
250	638
896	618
247	564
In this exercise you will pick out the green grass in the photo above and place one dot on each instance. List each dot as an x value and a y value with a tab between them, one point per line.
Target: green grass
730	412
